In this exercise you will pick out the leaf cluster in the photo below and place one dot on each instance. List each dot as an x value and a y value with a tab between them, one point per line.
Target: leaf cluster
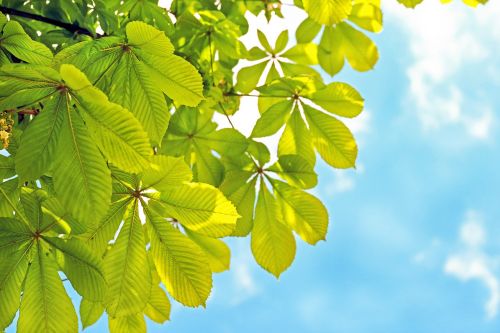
115	175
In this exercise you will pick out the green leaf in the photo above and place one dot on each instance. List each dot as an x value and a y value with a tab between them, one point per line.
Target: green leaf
242	194
98	237
119	136
30	203
7	167
333	140
201	208
360	51
303	212
207	168
176	77
116	132
127	268
248	77
256	53
296	170
217	252
411	3
9	196
143	99
281	42
14	263
303	54
23	85
226	141
307	30
166	172
90	312
131	323
472	3
328	12
81	178
17	42
39	141
158	307
330	52
367	14
273	244
59	214
148	38
273	119
296	139
82	267
340	99
44	295
264	42
182	266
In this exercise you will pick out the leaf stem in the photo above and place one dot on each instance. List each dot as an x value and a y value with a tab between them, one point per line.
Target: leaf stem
253	95
74	28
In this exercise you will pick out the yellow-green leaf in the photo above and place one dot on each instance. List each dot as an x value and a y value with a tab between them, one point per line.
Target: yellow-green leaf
81	177
126	324
82	267
248	77
296	170
127	268
148	38
218	253
333	140
273	244
201	208
360	51
303	212
182	266
158	307
410	3
90	312
296	139
328	12
273	119
340	99
307	30
44	296
165	172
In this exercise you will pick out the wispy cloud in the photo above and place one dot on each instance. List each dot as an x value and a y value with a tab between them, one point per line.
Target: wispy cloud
444	42
472	263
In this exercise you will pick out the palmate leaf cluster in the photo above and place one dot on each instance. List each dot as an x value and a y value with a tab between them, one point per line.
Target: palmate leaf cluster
116	177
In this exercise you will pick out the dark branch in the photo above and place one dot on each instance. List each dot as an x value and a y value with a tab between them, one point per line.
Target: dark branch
67	26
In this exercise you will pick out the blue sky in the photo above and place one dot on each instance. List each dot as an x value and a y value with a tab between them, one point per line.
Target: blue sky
413	243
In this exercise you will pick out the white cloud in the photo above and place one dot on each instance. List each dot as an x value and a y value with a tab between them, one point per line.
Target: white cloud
444	40
340	183
480	128
472	263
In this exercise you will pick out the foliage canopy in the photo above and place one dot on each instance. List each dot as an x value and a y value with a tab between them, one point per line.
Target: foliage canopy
115	174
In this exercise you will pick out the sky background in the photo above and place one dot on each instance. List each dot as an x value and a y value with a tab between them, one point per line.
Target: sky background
414	240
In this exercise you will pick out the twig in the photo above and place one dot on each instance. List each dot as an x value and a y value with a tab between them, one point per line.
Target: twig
74	28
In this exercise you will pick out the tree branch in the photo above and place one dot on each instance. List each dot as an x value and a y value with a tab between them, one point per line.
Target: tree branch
67	26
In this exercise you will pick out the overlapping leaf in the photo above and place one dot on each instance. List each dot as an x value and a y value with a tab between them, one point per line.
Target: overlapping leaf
137	72
16	42
328	135
193	135
31	253
59	139
339	39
